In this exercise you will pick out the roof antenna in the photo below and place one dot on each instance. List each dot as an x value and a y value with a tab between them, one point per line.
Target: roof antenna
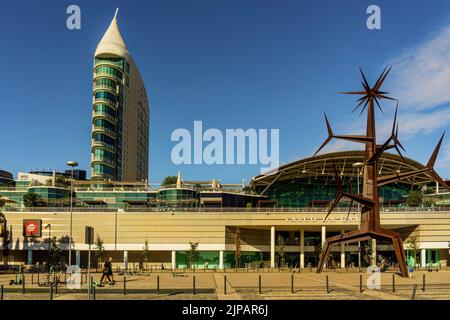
117	11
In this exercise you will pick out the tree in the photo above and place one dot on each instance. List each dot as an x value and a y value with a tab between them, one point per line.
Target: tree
318	251
31	199
169	180
66	241
415	198
414	246
193	253
6	237
100	249
237	240
145	253
55	251
281	247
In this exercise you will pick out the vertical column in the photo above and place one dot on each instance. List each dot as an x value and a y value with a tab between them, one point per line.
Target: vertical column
30	257
374	252
342	253
221	259
174	259
272	247
323	238
423	258
77	257
324	235
302	249
125	260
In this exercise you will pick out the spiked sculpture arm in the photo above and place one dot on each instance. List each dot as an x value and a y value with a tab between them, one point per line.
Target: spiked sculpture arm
428	170
331	135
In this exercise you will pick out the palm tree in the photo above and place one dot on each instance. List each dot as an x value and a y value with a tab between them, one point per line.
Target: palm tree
145	253
193	253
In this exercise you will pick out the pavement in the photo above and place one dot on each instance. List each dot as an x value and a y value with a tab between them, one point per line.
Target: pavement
243	284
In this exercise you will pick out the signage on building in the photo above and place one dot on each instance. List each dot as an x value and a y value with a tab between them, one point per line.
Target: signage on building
89	235
316	219
32	228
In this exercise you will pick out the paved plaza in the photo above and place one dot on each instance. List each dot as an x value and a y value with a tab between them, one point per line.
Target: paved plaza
241	285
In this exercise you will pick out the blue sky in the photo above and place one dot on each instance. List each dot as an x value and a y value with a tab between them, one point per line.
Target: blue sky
232	64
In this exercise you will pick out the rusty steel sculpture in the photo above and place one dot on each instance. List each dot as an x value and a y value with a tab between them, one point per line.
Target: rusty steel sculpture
370	227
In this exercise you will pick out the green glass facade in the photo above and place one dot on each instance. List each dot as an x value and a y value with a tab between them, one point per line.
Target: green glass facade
107	119
311	192
176	197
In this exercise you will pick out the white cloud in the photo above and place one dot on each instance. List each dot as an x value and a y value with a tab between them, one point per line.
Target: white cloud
420	75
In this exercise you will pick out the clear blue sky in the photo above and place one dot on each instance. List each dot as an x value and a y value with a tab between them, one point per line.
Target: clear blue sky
232	64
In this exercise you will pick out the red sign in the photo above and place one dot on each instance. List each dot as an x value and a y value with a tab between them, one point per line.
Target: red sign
32	228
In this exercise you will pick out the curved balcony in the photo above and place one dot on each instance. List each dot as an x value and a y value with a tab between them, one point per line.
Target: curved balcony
106	101
105	130
102	87
103	160
103	145
103	73
104	115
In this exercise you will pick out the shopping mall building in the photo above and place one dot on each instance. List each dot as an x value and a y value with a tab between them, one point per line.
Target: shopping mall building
277	219
281	212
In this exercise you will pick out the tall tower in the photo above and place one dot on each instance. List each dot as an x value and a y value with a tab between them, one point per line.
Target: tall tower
120	113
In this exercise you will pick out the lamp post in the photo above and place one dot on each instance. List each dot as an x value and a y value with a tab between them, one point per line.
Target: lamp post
358	166
71	164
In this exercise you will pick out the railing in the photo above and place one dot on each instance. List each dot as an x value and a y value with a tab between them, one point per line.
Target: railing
105	115
103	159
138	209
104	145
105	87
107	102
104	129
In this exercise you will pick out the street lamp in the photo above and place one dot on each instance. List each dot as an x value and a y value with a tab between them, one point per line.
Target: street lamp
358	166
71	164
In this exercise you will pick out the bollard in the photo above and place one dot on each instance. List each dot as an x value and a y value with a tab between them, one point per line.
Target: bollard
423	282
51	292
393	282
259	283
23	283
124	285
361	290
93	292
157	284
224	285
327	285
1	293
56	287
193	285
292	283
413	297
38	279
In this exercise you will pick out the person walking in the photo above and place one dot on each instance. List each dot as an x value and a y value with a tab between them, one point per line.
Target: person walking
107	271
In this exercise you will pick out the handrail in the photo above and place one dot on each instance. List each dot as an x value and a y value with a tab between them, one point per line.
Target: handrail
142	209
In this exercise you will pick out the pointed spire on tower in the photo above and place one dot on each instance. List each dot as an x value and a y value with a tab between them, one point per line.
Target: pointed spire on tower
112	42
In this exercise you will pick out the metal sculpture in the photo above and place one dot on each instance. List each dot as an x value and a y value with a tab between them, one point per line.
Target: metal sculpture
370	227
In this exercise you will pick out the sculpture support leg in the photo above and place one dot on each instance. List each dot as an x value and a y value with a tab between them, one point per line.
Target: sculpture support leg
400	255
354	236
